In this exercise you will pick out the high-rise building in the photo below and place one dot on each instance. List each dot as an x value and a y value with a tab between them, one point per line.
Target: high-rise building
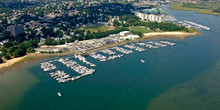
149	17
16	29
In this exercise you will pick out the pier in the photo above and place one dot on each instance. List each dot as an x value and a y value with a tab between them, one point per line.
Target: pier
191	24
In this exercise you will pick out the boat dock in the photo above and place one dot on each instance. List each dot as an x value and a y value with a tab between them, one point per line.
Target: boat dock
191	24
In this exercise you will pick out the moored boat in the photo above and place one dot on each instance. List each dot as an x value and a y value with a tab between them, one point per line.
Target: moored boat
59	94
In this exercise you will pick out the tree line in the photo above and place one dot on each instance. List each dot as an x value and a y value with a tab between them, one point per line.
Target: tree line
217	10
83	35
132	20
14	49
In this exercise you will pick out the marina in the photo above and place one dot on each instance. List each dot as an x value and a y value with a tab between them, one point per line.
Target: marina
122	50
107	51
190	24
76	67
156	44
98	56
132	46
114	57
47	66
83	59
186	23
62	77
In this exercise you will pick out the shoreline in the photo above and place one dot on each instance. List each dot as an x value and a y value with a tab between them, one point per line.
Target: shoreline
28	59
152	36
32	58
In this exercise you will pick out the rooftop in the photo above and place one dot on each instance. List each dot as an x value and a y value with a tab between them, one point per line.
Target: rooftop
150	11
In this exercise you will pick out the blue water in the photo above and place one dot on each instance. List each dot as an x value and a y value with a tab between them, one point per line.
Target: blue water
126	83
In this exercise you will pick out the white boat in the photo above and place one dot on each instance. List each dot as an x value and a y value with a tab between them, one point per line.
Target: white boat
142	61
59	94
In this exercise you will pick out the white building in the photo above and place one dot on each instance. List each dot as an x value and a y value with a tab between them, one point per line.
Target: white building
124	33
149	17
130	37
131	0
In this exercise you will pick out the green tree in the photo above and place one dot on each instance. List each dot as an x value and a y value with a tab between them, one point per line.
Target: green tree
32	43
30	50
217	10
116	23
7	57
19	53
7	44
11	50
48	41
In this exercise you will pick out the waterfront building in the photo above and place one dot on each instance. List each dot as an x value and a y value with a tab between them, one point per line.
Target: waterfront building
16	29
130	37
124	33
150	15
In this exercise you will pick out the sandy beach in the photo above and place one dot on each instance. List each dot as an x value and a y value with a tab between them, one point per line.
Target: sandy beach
11	62
171	35
19	62
16	63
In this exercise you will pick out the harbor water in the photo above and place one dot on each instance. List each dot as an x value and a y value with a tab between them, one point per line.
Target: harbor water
121	84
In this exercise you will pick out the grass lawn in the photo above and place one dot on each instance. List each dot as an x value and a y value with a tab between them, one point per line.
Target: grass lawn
191	30
178	6
97	28
141	29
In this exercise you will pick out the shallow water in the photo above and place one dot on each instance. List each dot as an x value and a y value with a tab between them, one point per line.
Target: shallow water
124	83
200	93
13	86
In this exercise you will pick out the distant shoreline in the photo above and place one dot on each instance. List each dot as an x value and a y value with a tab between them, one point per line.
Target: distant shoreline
17	63
177	6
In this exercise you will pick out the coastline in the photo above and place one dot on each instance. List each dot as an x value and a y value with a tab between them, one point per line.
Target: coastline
152	36
17	63
28	59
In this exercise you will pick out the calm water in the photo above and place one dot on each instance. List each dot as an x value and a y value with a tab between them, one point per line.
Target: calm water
122	84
